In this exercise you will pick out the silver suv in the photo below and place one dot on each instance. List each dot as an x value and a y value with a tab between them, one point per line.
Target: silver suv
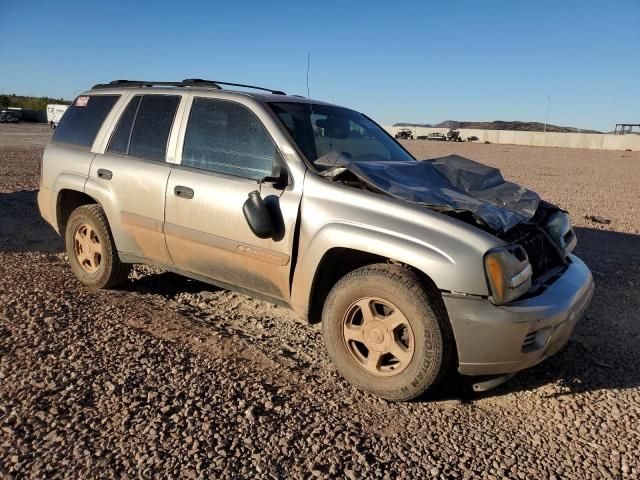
411	266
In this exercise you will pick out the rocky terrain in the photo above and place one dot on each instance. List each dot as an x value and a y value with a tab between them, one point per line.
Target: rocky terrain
169	377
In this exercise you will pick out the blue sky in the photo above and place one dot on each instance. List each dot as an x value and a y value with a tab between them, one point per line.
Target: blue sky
396	61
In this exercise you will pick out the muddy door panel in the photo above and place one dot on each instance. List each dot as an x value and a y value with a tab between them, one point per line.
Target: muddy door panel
132	192
206	231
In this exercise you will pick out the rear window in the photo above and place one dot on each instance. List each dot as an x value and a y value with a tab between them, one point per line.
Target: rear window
82	120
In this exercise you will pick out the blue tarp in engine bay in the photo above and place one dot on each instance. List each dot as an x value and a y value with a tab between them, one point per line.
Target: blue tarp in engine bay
450	183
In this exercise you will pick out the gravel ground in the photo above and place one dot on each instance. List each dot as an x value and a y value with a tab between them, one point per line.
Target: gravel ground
171	377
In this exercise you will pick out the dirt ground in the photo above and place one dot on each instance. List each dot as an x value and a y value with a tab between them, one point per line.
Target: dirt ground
171	377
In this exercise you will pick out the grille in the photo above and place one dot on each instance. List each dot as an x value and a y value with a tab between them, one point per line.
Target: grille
543	255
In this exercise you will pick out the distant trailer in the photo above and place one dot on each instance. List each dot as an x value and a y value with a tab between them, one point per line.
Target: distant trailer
627	128
54	114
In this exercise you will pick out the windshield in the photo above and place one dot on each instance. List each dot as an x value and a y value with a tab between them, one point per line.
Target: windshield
326	131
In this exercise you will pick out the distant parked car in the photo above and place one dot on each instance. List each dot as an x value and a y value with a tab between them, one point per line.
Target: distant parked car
8	117
437	137
405	134
54	114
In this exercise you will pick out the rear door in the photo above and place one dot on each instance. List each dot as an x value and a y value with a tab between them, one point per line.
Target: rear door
224	150
132	175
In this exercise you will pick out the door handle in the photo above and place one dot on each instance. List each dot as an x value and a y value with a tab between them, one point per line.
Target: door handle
105	174
183	192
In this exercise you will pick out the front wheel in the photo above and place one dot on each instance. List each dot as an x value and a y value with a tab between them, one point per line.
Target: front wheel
92	252
385	333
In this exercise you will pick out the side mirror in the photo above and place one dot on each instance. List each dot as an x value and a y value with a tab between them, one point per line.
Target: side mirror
279	177
257	216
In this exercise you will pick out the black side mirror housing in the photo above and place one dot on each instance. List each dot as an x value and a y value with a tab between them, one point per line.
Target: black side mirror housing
279	177
257	216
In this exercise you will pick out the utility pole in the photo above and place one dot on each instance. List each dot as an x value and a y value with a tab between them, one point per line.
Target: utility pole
546	120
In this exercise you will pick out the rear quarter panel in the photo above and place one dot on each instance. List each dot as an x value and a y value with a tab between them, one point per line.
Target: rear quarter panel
63	167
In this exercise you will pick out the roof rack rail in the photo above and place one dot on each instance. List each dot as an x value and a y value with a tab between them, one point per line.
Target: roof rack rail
145	83
189	82
197	81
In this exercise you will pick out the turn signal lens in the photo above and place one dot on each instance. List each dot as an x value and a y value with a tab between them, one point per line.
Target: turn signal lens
496	277
508	273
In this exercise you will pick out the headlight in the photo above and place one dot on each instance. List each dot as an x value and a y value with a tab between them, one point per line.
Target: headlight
558	227
508	272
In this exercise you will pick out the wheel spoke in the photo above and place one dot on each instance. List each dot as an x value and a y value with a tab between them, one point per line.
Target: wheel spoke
352	332
366	307
373	360
97	246
84	239
81	256
402	353
394	320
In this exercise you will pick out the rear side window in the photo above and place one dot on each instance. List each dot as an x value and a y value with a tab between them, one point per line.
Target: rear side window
82	120
121	137
226	137
144	127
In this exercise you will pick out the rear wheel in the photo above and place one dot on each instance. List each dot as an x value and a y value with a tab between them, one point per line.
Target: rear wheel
92	253
385	333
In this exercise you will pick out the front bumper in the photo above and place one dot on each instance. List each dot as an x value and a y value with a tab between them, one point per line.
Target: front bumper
493	340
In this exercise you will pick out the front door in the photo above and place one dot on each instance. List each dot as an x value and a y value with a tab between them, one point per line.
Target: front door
226	149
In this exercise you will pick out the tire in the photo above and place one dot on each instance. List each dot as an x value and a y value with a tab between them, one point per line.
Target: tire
396	293
97	265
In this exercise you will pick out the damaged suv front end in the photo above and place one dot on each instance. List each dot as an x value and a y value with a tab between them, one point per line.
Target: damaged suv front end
538	292
535	289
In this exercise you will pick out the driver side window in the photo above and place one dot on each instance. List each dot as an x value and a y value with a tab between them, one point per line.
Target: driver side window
226	137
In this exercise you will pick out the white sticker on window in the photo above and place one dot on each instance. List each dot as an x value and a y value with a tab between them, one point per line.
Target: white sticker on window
82	101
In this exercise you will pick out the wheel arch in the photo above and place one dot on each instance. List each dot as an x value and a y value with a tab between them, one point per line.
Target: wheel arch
67	201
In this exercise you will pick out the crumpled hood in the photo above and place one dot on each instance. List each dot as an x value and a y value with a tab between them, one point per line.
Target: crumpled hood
450	183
